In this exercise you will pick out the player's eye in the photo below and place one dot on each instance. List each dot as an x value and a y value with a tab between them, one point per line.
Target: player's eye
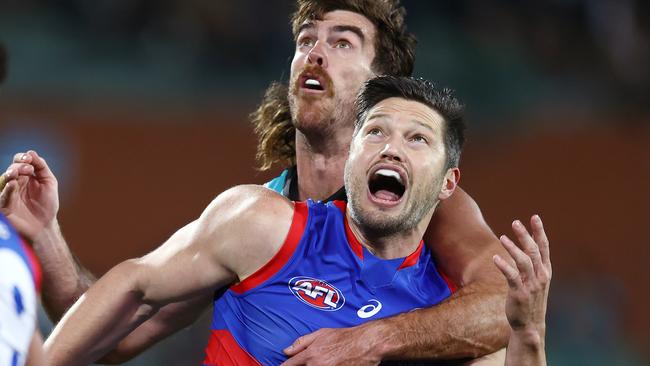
342	44
305	42
375	132
420	139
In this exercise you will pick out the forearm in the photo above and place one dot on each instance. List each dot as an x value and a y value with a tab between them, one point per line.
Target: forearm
469	324
526	348
168	320
64	279
109	310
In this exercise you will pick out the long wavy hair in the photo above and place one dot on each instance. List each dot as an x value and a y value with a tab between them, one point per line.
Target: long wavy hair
275	132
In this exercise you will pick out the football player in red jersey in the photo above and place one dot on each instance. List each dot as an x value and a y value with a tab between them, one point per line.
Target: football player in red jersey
402	134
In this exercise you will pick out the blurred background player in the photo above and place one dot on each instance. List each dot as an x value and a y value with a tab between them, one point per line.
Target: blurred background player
20	277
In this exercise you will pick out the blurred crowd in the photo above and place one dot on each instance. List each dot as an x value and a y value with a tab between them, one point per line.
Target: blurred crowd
582	55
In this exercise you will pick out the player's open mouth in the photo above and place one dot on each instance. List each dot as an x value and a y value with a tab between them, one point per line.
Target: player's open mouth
387	185
312	82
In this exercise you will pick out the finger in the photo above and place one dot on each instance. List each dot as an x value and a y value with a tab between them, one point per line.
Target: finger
294	361
299	359
22	157
524	264
3	182
528	245
40	165
15	170
509	272
540	238
7	193
300	344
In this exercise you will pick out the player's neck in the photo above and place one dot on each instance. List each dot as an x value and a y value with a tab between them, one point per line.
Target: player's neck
320	163
390	246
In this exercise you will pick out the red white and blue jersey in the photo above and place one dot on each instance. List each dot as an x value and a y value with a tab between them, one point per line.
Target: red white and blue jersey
322	277
19	283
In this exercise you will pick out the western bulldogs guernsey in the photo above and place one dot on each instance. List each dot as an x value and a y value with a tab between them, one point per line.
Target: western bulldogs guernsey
322	277
19	282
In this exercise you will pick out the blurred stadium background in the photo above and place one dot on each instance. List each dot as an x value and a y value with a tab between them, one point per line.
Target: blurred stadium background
141	108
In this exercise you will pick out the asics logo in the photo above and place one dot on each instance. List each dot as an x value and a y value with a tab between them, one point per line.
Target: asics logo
369	310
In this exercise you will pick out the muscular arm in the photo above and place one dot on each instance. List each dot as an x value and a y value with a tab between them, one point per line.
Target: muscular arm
65	280
240	230
471	323
36	356
30	201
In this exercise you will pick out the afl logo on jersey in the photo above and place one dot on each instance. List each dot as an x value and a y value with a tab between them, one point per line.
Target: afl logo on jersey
317	293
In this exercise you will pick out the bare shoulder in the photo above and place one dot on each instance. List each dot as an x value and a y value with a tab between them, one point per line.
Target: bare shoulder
247	224
248	204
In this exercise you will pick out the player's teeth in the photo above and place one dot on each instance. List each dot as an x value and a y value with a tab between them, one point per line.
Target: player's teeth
312	82
389	173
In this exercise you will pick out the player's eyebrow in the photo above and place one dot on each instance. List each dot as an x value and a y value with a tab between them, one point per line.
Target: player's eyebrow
337	29
349	28
384	115
425	125
376	116
306	25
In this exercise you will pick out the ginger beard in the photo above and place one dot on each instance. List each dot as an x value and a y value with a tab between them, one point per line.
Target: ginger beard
419	200
319	113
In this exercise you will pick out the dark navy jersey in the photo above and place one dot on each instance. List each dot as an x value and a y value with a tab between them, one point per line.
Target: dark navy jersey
19	282
287	185
322	277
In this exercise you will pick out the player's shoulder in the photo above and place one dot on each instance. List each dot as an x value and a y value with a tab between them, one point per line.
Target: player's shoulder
248	210
248	225
250	199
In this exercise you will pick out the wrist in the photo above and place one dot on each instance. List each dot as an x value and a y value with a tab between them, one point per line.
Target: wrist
382	338
531	337
50	234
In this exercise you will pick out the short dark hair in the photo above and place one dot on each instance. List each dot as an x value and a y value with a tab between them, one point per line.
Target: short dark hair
394	45
3	63
420	90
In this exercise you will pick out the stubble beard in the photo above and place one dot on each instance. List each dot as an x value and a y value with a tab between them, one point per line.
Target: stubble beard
322	116
380	224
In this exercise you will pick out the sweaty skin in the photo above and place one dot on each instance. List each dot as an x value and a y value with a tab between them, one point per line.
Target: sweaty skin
238	232
243	228
458	235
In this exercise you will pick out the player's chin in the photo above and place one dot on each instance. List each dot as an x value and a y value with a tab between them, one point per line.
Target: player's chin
311	115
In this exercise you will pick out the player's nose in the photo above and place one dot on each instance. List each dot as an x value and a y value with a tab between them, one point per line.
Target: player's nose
392	151
317	55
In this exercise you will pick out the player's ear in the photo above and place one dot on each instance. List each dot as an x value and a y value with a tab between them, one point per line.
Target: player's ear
449	183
